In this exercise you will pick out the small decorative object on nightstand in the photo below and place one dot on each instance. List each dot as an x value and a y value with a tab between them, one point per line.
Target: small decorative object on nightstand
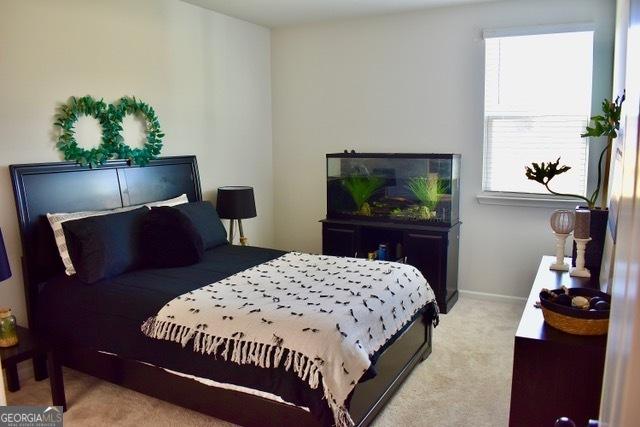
581	237
562	222
8	332
236	203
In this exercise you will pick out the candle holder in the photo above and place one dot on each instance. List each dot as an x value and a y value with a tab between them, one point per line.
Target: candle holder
562	222
580	270
560	265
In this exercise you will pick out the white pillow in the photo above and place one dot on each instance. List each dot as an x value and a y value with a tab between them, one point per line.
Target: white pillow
170	202
56	220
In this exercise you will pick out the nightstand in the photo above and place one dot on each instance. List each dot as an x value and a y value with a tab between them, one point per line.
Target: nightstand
30	347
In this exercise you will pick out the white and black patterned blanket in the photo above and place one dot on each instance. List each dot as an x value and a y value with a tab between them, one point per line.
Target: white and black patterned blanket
320	316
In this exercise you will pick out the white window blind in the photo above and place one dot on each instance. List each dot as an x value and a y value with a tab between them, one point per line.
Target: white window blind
537	103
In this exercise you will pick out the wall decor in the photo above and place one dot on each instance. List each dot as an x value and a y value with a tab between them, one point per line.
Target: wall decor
110	117
66	119
153	145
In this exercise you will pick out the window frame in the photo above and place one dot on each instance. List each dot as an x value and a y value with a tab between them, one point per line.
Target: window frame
542	200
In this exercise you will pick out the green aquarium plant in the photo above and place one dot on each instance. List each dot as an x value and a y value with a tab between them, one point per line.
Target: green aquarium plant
361	188
428	191
607	124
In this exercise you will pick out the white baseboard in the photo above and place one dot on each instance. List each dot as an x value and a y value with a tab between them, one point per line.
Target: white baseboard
492	297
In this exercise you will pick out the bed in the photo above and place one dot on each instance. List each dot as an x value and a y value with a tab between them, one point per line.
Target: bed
71	314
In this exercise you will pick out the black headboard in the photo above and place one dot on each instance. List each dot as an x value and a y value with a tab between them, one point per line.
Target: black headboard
68	187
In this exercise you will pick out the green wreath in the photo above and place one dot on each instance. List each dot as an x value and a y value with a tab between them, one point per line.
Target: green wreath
153	145
66	118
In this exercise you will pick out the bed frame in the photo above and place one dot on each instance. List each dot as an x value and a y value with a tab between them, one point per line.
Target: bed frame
68	187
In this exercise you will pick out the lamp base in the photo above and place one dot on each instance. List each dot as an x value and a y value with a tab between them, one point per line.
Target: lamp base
243	239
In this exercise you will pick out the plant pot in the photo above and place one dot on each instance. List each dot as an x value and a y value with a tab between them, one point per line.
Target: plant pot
598	231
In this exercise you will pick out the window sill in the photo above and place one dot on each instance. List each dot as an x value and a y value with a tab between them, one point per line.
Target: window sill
527	200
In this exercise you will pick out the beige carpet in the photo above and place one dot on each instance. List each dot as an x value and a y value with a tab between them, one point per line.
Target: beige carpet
465	382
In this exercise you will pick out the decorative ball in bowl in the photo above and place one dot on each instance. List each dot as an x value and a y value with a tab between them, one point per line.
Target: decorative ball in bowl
579	311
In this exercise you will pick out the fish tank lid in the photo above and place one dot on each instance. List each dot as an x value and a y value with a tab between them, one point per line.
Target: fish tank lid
395	155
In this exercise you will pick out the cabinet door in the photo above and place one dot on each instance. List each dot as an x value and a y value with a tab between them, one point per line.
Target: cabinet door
338	240
428	253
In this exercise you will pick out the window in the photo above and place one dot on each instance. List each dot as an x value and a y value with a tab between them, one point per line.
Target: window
537	103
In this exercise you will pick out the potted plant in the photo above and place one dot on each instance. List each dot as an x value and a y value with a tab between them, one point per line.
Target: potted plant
607	124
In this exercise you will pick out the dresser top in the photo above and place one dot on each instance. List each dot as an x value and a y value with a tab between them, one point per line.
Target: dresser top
532	325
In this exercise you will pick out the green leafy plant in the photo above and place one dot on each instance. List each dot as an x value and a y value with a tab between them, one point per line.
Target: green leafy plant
361	188
153	144
545	172
66	118
606	124
112	143
428	190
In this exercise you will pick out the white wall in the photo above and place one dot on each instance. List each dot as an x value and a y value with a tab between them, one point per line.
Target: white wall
206	75
411	83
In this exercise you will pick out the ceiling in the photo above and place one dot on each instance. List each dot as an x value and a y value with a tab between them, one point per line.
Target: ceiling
277	13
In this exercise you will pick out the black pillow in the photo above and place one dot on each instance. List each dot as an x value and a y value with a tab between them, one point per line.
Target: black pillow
169	239
106	245
206	220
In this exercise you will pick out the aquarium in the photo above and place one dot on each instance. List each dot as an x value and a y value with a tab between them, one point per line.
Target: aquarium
406	188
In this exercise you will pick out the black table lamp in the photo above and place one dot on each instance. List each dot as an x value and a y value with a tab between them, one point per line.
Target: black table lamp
236	203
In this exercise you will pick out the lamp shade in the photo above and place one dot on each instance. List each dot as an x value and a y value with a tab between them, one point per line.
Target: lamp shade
236	202
5	271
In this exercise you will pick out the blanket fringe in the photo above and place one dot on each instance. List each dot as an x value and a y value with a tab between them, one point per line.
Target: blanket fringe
248	352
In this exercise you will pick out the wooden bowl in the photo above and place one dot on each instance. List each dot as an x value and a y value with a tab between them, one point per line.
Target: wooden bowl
574	320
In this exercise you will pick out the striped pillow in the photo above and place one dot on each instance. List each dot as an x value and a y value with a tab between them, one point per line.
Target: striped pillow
56	220
169	202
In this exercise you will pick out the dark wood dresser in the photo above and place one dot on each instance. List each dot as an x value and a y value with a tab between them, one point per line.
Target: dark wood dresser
555	374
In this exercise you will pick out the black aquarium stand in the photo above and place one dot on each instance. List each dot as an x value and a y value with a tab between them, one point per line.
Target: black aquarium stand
431	249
